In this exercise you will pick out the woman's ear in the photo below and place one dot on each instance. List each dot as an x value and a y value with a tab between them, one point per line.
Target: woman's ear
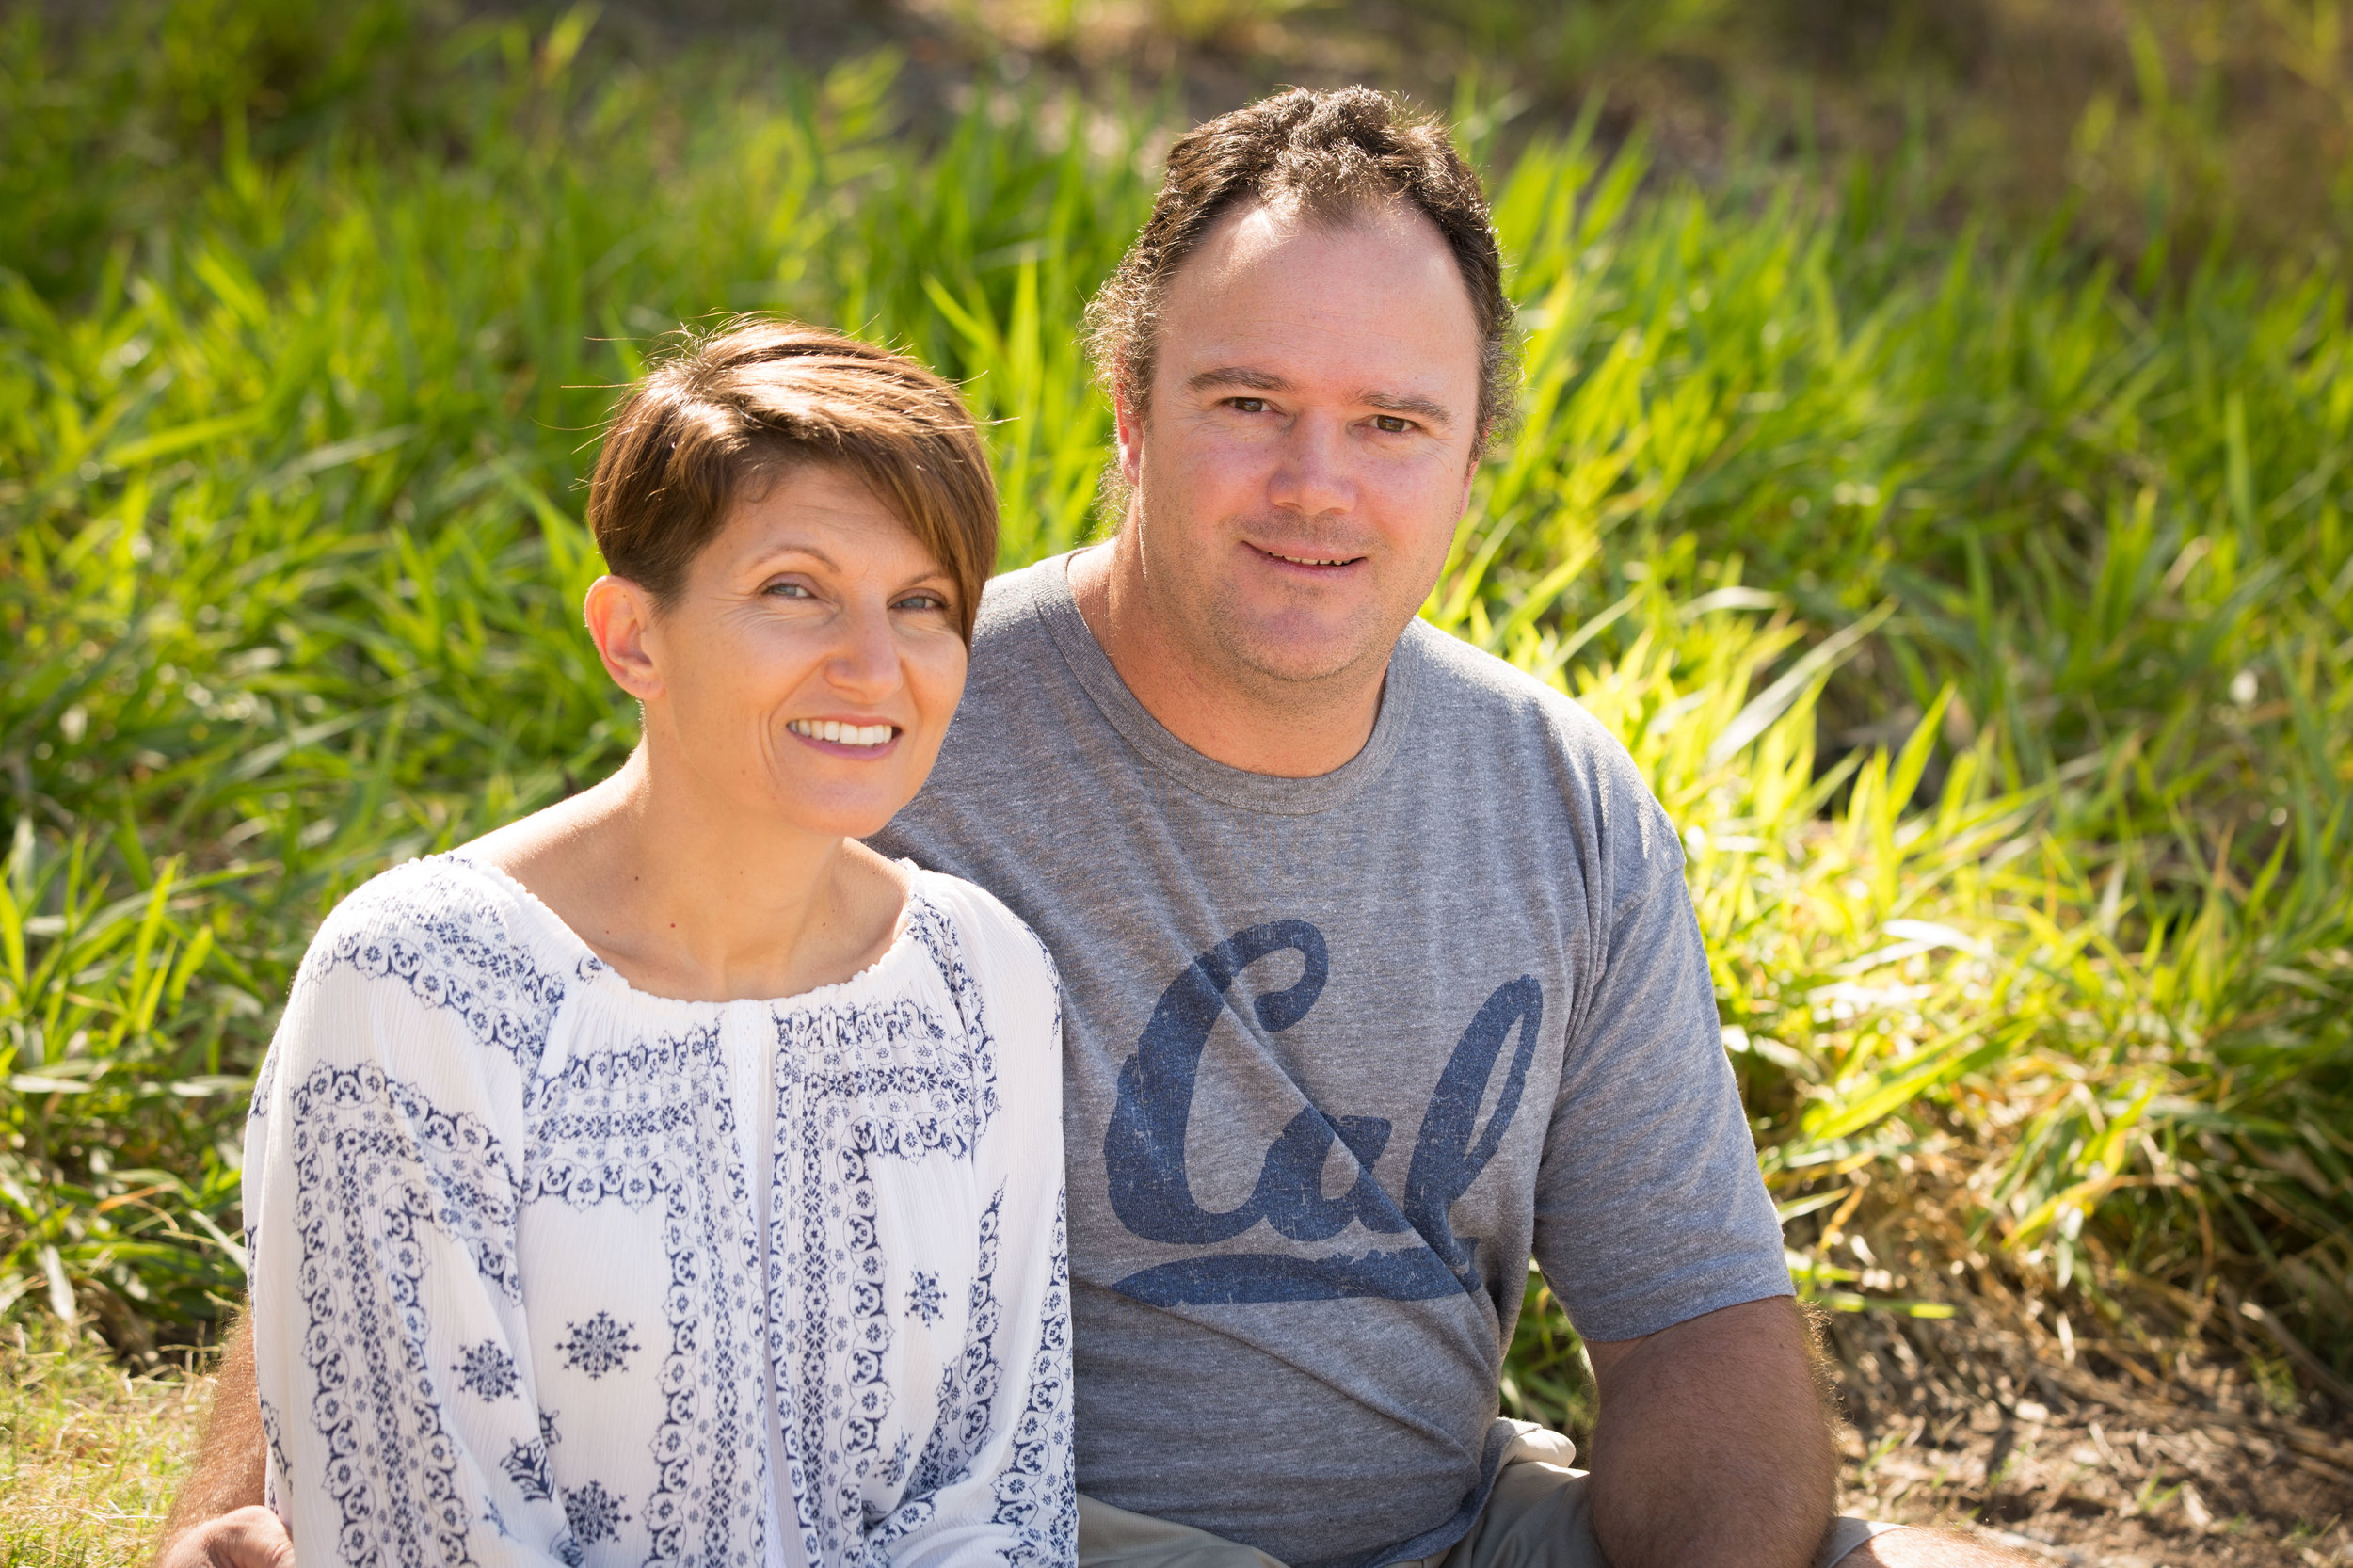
620	623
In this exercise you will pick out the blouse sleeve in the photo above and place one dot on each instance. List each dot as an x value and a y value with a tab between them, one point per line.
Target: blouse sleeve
1016	1502
380	1197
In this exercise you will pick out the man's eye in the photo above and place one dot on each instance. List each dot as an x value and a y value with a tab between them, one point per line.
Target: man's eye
1247	405
1391	424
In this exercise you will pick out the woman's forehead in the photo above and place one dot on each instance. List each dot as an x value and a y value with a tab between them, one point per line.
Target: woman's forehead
825	511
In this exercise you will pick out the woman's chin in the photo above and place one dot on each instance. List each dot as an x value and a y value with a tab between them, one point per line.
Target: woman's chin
837	813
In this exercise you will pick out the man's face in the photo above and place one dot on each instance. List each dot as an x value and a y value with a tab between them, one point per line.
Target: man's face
1307	450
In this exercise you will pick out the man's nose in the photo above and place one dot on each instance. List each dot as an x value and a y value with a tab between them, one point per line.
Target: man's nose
1315	474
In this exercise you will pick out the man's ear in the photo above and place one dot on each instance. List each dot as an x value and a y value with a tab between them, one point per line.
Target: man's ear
620	623
1130	425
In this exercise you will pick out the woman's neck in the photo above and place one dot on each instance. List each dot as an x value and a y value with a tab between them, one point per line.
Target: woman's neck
686	898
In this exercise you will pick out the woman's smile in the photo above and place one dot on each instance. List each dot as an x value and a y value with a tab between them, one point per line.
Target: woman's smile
846	736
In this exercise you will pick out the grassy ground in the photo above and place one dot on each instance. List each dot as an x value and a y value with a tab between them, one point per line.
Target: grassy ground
93	1453
2054	1460
1982	613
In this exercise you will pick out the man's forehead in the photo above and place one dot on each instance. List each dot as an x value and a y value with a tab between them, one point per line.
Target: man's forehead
1254	229
1274	294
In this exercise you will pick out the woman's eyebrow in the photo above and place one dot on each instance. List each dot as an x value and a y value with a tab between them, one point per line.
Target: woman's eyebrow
770	554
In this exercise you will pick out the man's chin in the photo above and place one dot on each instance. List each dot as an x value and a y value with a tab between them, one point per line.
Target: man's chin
1303	661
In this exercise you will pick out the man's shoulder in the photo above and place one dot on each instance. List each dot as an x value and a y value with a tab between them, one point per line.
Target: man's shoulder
1460	685
1511	740
1010	605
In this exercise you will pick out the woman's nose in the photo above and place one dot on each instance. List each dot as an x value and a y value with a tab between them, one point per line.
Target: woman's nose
865	657
1312	476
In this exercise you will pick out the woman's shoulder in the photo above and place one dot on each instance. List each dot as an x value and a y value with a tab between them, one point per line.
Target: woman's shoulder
975	938
455	933
420	899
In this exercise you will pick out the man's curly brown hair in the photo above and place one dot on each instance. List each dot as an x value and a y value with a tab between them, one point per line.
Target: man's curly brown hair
1331	157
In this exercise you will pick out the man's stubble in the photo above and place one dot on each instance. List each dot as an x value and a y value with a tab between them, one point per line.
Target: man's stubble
1206	615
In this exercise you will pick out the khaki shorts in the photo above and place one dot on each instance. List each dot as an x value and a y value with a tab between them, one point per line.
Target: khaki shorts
1535	1518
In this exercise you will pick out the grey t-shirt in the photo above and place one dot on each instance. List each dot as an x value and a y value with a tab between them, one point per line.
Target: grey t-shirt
1340	1051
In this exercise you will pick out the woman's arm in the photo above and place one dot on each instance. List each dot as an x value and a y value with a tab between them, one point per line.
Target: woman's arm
381	1186
1014	1498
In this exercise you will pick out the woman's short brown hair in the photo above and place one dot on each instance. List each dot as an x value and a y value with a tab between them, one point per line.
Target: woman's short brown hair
735	410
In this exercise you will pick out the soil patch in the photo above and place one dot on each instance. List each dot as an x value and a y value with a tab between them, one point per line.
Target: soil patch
2105	1459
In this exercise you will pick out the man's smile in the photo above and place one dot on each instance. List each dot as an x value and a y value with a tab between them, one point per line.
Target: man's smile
1315	561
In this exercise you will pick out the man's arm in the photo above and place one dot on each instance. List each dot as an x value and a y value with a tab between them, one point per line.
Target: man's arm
217	1520
1714	1444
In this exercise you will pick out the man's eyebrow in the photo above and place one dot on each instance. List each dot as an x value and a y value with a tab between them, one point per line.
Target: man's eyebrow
1420	406
1238	376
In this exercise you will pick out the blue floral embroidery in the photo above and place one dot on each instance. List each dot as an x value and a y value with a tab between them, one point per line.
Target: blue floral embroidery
1039	1491
854	1085
486	1371
925	1296
650	1125
647	1126
593	1513
276	1452
376	1165
599	1346
526	1466
969	1386
941	940
443	938
868	1392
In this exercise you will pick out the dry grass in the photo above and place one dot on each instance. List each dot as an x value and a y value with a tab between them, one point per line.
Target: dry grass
92	1453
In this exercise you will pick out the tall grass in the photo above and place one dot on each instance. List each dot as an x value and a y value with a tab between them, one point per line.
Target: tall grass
1983	623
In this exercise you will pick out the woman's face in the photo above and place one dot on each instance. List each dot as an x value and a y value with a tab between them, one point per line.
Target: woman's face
807	668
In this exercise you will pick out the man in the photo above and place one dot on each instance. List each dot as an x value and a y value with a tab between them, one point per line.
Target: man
1380	969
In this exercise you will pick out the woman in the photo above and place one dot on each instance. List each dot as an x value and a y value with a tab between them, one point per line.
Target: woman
666	1176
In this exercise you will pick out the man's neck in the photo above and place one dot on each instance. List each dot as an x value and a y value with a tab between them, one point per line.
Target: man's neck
1285	729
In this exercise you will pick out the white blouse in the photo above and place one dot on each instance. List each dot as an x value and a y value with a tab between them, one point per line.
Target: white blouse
547	1269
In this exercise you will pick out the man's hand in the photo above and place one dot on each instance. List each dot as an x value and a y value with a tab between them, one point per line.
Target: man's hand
248	1538
1927	1549
1714	1444
217	1520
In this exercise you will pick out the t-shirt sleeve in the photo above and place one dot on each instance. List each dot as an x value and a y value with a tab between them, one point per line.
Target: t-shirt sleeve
1649	1206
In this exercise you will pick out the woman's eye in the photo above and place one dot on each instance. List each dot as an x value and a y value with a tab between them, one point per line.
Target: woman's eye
923	601
1391	424
788	590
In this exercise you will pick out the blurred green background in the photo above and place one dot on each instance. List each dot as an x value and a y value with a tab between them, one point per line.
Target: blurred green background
1934	468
